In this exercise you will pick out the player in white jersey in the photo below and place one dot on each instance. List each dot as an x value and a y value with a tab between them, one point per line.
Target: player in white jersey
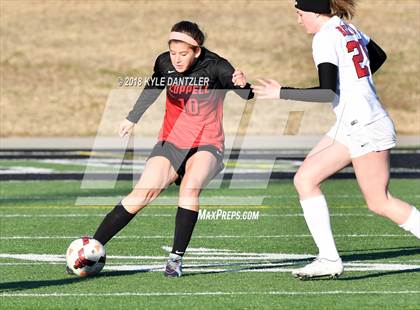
363	134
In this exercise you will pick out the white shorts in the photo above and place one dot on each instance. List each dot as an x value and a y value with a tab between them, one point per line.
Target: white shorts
374	137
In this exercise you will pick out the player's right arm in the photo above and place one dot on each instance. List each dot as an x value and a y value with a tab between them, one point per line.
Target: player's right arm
147	97
233	79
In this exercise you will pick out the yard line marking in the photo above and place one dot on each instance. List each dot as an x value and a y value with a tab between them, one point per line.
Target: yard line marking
260	268
192	260
74	215
234	198
332	214
243	267
217	293
109	206
214	237
283	207
24	170
192	256
218	261
70	215
204	200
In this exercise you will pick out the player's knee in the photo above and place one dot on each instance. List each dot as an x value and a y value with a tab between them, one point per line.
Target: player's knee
191	186
297	181
303	183
377	207
377	202
139	198
190	192
189	197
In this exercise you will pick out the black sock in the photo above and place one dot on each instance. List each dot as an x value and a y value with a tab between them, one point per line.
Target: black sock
113	222
184	226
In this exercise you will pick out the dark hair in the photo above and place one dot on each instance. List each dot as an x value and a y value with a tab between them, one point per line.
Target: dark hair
191	29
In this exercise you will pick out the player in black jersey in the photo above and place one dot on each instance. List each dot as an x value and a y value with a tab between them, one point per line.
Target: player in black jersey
191	141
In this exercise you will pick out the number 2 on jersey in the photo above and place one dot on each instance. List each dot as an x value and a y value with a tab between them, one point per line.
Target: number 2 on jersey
358	59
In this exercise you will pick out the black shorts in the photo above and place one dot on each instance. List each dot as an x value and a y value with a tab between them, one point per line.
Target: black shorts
179	157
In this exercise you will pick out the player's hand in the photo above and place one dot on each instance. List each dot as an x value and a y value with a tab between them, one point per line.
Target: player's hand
269	89
238	78
126	128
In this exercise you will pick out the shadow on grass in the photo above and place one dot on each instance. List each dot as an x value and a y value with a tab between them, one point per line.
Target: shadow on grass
345	277
27	285
394	253
390	253
378	274
384	254
233	267
381	249
238	267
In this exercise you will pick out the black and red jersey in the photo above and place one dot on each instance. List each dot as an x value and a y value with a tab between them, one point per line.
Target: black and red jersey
194	99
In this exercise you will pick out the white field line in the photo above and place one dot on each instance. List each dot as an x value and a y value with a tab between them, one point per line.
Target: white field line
193	260
193	252
332	215
232	197
162	200
197	268
163	207
216	261
71	215
192	256
25	170
217	293
203	196
407	261
135	262
213	237
260	268
199	250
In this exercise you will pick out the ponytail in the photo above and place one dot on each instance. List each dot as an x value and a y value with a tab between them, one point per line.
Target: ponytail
343	8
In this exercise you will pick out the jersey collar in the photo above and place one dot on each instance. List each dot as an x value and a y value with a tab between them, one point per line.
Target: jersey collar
335	20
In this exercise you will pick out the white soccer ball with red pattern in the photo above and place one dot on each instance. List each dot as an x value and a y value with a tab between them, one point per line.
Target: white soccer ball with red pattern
85	257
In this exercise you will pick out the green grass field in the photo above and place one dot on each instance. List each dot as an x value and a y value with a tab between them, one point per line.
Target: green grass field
232	264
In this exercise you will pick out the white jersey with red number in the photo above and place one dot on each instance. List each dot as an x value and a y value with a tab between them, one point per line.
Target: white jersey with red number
343	45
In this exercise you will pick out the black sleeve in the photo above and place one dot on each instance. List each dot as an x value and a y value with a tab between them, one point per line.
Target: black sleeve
224	74
148	96
325	92
377	56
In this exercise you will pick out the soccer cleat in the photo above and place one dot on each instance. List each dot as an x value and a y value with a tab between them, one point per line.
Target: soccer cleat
173	266
320	267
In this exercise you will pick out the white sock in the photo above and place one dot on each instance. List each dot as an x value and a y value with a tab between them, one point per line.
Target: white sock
412	224
317	218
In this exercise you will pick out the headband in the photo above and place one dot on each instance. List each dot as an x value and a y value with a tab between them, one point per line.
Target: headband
315	6
180	36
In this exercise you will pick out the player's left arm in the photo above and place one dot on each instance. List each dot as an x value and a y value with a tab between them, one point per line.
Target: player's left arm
233	79
324	48
377	56
325	92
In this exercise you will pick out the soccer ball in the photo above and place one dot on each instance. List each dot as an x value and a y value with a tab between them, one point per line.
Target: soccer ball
85	257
